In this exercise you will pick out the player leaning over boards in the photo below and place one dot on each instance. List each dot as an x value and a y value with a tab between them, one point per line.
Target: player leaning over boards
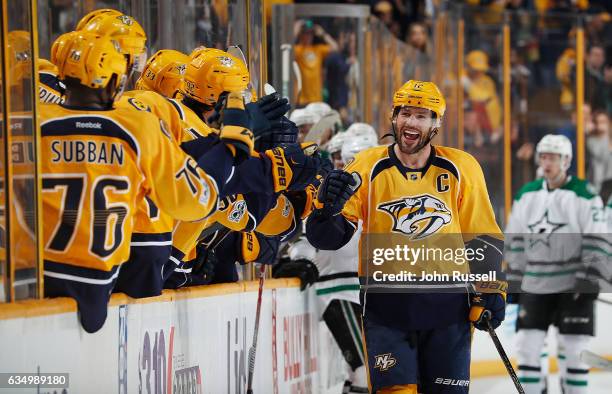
405	333
98	162
556	235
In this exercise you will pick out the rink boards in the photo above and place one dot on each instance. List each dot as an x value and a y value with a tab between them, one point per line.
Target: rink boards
197	340
191	341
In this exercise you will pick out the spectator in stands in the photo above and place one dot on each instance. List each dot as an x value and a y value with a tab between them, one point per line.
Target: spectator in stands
598	28
207	27
418	56
596	88
337	66
569	130
312	47
599	148
519	83
565	71
384	11
482	95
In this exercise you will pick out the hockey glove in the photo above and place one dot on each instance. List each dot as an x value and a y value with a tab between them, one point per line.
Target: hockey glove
335	191
303	201
235	132
585	290
485	306
258	248
282	131
294	166
306	270
265	110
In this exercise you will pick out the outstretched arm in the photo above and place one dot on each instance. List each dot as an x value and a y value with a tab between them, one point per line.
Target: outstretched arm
326	228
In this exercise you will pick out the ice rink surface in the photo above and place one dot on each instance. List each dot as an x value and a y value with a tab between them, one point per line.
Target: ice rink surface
599	383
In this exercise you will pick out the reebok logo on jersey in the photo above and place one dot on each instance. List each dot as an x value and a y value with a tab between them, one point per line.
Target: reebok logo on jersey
452	382
419	216
384	361
89	125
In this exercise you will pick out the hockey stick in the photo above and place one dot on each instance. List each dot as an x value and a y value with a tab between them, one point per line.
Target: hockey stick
502	353
603	301
595	360
253	349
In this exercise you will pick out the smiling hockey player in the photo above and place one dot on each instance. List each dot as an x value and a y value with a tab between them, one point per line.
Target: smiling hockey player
440	191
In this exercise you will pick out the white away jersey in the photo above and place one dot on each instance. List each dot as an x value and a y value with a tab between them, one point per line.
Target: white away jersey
554	235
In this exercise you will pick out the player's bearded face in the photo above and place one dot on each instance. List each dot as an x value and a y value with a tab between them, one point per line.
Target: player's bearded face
412	127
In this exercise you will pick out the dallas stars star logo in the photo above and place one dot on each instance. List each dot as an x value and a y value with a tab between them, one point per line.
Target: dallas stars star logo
544	227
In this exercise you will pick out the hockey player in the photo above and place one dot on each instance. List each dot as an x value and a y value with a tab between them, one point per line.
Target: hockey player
304	120
50	89
337	286
99	160
403	193
123	28
556	231
163	73
213	73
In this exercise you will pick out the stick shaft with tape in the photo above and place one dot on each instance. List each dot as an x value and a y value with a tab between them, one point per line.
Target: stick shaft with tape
504	357
253	349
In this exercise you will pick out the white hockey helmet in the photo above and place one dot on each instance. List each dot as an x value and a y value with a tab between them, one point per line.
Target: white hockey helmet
335	143
355	144
359	128
558	144
303	116
319	108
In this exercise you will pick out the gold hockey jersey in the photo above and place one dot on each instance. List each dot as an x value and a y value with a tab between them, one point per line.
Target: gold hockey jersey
441	207
97	166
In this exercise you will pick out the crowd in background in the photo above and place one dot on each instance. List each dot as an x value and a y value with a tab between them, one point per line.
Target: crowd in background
543	69
543	73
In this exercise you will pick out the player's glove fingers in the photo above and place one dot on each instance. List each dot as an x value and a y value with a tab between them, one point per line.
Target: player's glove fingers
276	108
326	167
284	126
268	98
258	122
282	131
345	195
235	131
348	179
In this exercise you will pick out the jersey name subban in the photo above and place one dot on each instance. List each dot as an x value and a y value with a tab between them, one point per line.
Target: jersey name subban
87	152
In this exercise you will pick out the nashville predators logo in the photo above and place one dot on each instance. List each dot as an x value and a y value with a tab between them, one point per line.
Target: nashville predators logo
418	217
384	362
226	61
126	20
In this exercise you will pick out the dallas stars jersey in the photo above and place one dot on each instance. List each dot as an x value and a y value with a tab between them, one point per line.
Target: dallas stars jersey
96	167
338	278
552	234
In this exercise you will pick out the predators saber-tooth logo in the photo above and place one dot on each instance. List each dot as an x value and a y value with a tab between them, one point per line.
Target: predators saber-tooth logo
418	216
126	20
384	361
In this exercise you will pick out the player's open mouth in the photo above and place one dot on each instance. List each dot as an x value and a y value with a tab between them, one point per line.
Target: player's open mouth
411	135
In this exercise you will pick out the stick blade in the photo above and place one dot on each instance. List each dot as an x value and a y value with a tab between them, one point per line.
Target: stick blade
596	361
